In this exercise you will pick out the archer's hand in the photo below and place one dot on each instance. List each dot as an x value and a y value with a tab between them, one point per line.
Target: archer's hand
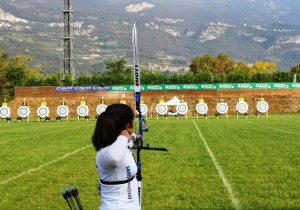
138	136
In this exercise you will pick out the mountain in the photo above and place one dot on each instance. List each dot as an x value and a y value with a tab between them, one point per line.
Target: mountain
170	32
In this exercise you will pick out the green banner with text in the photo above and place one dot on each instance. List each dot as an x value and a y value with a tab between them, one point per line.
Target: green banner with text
223	86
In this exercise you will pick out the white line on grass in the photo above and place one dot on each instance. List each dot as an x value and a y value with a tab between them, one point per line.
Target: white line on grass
43	165
234	200
290	132
41	134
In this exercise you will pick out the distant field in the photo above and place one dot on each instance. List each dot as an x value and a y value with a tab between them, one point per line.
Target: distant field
245	163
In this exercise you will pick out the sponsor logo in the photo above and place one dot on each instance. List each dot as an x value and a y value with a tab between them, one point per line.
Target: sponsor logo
136	75
81	89
129	189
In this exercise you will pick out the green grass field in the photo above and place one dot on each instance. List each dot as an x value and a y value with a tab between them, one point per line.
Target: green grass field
245	163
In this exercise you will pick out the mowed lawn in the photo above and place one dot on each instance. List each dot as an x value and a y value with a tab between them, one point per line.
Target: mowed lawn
245	163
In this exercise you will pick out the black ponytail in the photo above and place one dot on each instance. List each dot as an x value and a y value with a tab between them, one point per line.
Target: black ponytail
110	123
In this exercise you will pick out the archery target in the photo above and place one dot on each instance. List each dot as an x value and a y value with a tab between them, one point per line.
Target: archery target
62	111
4	112
82	110
222	108
161	109
262	106
101	108
242	107
182	108
144	109
202	108
23	111
43	111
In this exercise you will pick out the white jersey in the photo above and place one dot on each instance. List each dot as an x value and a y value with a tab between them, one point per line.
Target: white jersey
116	163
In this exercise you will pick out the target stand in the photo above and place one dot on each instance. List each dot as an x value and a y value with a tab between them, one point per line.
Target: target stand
62	111
202	109
43	113
262	107
222	109
162	110
83	112
5	113
23	113
242	108
182	110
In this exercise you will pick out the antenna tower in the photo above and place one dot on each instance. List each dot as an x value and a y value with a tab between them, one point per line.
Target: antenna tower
68	68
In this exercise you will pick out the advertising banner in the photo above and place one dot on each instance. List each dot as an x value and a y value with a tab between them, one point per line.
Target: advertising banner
218	86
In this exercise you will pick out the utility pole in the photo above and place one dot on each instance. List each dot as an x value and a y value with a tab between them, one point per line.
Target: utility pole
68	67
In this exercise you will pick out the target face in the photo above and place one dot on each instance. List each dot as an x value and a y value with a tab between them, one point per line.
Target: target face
101	108
62	111
202	108
262	106
82	110
242	107
43	111
23	111
222	108
143	108
4	112
182	108
161	109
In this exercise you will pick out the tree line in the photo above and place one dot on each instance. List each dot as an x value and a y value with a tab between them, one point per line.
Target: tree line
18	71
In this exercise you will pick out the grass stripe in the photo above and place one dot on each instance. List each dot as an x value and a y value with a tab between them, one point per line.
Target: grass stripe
232	196
42	134
272	128
43	165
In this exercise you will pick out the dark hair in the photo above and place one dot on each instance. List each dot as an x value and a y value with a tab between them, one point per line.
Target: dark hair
110	123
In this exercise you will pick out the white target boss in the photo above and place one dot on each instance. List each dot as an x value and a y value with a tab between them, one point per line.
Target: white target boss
162	109
23	111
262	106
101	108
202	108
222	108
62	111
144	109
242	107
182	108
43	111
4	112
82	110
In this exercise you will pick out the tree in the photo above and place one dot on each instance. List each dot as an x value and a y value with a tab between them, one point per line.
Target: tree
295	69
261	77
220	78
283	76
68	80
117	67
216	65
263	67
3	60
83	80
152	78
205	63
223	64
176	79
238	76
203	77
13	72
242	67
